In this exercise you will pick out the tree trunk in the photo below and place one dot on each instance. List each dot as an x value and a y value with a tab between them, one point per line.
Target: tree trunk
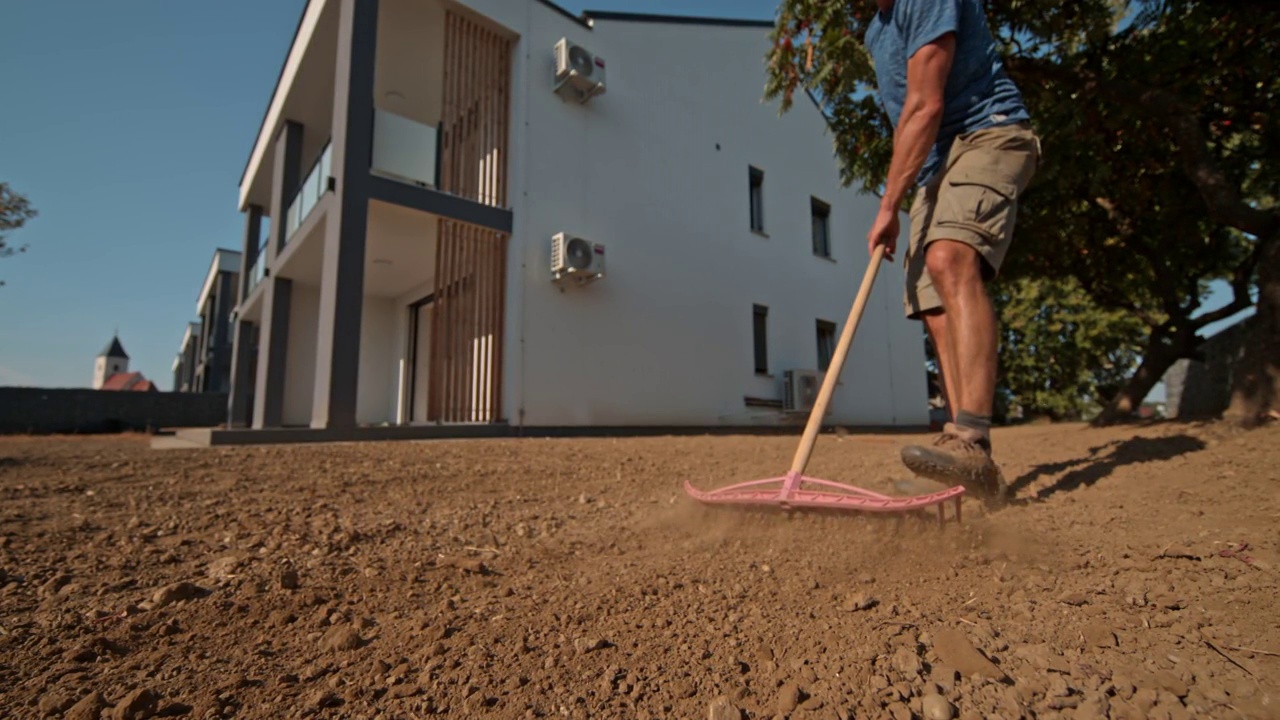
1255	389
1155	363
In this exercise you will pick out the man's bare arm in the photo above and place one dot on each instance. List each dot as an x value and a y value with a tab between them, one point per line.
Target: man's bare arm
927	73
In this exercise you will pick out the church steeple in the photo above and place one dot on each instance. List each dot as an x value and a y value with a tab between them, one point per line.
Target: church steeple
114	349
112	360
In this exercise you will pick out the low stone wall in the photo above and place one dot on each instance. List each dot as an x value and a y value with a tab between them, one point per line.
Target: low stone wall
1199	390
70	410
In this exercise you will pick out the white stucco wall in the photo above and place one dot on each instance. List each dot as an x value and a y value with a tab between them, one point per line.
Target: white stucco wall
666	338
380	328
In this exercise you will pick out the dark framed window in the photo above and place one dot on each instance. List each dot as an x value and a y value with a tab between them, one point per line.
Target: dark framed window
820	217
826	343
756	180
760	333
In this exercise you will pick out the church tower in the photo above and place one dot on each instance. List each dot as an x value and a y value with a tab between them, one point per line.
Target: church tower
113	359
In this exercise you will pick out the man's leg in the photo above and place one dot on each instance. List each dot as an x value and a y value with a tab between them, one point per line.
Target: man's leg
936	324
956	270
971	229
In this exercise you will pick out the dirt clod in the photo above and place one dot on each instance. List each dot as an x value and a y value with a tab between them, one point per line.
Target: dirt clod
956	651
137	705
788	699
340	638
936	707
177	592
88	708
722	708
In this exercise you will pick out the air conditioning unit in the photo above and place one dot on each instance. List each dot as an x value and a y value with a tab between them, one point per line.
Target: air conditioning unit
575	258
579	72
800	390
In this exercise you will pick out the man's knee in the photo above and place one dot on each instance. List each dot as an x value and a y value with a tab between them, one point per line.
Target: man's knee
952	264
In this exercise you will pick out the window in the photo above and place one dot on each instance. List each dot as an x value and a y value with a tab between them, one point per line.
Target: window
826	344
820	214
757	199
760	314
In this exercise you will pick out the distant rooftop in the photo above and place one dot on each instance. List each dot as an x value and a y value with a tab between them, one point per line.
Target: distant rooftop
114	349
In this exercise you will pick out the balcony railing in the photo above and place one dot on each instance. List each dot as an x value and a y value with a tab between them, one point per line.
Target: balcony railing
258	270
405	149
313	188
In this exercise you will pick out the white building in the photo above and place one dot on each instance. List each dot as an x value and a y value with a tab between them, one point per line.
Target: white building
421	162
112	361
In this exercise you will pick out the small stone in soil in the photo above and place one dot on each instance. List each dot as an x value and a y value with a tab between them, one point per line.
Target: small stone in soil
1099	634
723	709
88	708
176	592
936	707
944	676
788	698
586	645
137	705
907	662
339	638
289	579
55	703
860	601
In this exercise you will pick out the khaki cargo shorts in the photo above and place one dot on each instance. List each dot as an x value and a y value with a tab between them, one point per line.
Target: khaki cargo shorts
974	200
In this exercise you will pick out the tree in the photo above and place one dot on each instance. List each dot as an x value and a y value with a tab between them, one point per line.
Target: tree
15	211
1157	122
1061	354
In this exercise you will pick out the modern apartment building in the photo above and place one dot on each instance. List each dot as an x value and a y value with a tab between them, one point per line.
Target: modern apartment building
465	212
203	363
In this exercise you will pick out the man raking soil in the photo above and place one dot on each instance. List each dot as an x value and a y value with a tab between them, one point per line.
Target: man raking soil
963	137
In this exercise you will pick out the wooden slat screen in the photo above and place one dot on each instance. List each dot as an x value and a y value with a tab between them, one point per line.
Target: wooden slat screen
466	337
476	118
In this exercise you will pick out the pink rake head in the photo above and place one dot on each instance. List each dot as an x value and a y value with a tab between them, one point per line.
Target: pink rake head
792	494
834	495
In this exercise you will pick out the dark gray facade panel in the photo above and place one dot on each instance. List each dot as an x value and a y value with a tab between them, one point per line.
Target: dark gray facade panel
285	177
249	253
244	349
441	203
342	282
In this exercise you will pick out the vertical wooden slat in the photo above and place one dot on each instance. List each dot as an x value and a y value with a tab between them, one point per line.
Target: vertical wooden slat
446	129
433	353
462	335
456	319
468	111
491	135
499	323
486	384
490	328
473	299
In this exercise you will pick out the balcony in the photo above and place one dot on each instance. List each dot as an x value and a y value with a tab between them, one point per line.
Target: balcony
313	188
405	150
258	270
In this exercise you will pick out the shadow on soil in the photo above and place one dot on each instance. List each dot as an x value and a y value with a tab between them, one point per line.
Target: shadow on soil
1099	463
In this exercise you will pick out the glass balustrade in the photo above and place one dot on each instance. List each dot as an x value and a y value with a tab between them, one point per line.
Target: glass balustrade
313	188
404	149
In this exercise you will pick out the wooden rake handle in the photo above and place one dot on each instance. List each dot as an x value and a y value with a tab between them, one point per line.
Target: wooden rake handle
837	362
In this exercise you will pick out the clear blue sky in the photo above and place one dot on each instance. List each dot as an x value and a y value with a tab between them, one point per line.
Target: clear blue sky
128	125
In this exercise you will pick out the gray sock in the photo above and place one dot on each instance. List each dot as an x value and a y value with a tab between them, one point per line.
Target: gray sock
981	423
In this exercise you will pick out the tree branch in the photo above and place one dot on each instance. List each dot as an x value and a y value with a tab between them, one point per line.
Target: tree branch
1240	299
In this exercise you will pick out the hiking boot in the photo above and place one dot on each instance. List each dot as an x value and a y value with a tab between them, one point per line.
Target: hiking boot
958	457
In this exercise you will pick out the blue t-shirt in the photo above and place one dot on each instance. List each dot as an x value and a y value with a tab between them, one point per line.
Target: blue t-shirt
979	94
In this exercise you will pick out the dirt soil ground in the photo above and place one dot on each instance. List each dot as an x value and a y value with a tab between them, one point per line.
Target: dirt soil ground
1134	577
